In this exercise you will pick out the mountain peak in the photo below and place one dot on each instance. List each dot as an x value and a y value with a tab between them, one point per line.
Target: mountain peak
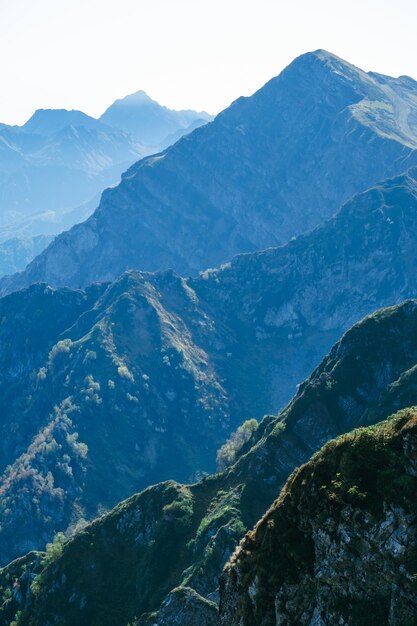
148	120
134	99
330	62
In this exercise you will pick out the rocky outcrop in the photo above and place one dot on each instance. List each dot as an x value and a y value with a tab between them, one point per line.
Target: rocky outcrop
339	546
183	607
253	178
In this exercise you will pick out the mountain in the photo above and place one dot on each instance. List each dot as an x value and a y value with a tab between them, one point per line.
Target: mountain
266	169
24	239
17	252
152	372
339	544
50	121
156	558
148	121
176	135
59	170
60	160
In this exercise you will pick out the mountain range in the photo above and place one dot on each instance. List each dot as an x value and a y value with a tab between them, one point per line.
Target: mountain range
61	159
156	558
268	168
150	340
152	372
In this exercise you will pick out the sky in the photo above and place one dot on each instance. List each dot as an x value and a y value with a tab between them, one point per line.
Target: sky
83	54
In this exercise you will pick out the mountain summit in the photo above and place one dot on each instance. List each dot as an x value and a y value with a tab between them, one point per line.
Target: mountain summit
266	169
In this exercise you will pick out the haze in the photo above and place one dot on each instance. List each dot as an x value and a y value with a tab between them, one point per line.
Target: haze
185	54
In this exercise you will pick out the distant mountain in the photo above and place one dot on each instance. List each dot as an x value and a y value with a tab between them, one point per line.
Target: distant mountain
60	170
17	252
61	159
50	121
176	136
348	514
24	239
148	121
153	372
268	168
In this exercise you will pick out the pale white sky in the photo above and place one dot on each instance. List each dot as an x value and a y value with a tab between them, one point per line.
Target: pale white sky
197	54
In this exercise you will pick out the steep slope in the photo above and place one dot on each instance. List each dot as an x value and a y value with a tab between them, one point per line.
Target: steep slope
269	167
171	541
124	395
339	546
159	370
148	121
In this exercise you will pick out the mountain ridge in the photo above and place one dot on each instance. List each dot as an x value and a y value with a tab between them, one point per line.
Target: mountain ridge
172	538
226	188
179	363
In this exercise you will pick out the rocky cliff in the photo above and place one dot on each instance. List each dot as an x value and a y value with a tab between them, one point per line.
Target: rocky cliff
339	546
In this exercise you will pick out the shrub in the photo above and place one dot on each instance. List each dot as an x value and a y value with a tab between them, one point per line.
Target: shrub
229	451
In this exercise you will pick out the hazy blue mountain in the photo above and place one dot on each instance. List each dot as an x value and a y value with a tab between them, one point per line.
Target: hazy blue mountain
267	168
60	170
50	121
348	515
175	136
152	372
17	252
59	160
24	239
148	121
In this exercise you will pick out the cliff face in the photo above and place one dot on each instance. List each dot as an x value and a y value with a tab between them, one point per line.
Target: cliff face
339	546
253	178
156	558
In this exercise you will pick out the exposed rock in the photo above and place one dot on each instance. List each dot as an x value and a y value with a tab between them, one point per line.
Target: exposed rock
340	544
183	607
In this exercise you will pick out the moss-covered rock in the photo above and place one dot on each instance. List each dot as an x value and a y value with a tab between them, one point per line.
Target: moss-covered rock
339	546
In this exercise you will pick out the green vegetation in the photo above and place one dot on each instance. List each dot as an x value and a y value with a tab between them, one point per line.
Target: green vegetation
370	470
230	450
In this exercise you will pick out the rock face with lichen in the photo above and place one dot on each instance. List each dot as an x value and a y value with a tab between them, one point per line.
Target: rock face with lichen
339	546
266	169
